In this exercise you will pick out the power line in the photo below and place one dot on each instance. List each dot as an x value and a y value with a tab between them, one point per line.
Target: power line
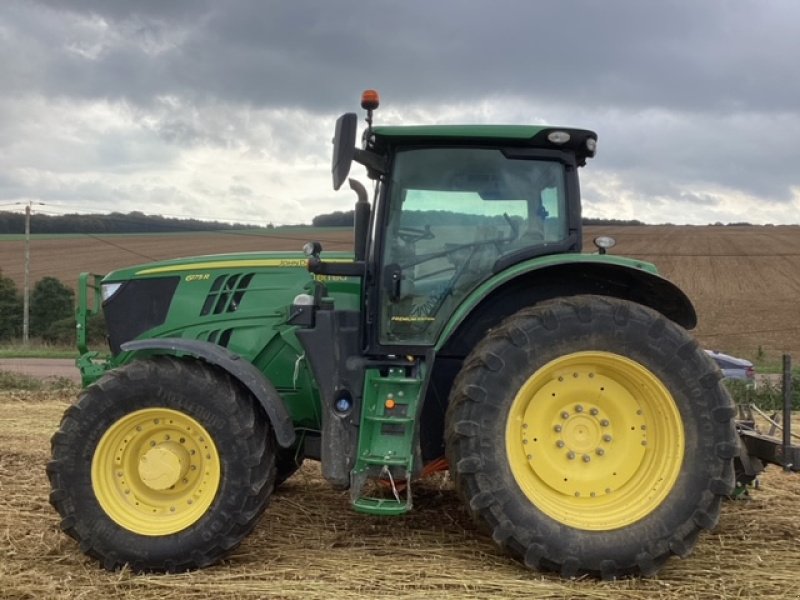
120	246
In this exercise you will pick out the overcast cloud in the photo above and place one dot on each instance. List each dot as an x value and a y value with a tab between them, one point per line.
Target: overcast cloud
225	109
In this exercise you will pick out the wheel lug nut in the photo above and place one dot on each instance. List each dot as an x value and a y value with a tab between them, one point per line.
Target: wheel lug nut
557	428
560	443
586	458
606	438
578	408
599	452
565	415
604	423
593	412
571	455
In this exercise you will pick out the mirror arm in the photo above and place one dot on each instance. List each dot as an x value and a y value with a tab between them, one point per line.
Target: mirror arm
343	269
373	162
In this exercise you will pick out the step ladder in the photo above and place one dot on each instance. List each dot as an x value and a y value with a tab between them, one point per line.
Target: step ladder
386	440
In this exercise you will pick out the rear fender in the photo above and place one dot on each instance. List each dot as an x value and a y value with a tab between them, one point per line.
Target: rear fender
239	368
534	281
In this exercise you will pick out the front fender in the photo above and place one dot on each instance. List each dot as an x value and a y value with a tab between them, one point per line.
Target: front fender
239	368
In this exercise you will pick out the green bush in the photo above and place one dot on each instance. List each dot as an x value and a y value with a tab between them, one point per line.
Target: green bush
10	309
62	332
766	396
51	301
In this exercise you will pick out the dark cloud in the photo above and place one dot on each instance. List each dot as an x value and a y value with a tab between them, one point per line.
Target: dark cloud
690	98
317	55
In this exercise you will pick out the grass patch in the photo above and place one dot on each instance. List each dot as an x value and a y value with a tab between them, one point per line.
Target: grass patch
17	381
36	349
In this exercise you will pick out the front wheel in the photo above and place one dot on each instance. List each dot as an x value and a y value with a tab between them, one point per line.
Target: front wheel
163	464
591	435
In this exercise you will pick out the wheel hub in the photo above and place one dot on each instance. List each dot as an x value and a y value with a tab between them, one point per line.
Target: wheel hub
581	433
163	466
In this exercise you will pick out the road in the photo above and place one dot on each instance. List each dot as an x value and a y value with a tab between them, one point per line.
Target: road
42	368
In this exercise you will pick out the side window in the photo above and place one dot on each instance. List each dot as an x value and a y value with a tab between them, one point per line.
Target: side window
553	214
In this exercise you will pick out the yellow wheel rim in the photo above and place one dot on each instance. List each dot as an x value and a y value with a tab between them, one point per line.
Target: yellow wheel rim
155	471
595	440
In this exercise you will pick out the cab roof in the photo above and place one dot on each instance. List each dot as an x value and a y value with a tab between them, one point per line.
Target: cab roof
534	136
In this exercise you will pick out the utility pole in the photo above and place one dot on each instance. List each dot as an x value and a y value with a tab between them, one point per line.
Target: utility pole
26	303
26	289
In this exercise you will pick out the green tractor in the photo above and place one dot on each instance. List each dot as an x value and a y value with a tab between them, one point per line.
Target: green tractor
583	426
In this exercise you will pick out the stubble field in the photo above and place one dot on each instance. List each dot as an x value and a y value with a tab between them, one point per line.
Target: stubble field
310	545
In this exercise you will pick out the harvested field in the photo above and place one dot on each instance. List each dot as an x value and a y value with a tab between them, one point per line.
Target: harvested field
311	545
744	281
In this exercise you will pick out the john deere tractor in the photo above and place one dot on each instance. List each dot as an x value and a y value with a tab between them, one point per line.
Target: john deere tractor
583	426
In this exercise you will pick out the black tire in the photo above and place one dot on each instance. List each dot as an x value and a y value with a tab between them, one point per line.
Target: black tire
288	461
239	478
481	448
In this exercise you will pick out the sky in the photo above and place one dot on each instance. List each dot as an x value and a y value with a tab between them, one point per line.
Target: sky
225	110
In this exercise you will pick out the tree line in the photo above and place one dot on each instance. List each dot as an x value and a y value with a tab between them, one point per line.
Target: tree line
51	313
115	222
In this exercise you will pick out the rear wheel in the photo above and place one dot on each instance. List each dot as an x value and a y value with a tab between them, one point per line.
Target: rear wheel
163	464
591	435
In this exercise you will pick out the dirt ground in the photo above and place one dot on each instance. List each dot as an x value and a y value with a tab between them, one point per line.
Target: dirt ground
309	544
743	280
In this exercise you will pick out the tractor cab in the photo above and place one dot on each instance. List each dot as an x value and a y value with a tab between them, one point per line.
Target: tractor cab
453	205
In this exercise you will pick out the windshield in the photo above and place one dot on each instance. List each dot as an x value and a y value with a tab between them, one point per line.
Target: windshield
452	213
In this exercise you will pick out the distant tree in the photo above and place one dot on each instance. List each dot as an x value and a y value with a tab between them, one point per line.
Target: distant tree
51	301
334	219
10	309
614	222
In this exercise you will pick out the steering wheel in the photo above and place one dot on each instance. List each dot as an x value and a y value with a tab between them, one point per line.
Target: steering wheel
413	234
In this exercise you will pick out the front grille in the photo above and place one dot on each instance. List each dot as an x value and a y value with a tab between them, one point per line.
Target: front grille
139	305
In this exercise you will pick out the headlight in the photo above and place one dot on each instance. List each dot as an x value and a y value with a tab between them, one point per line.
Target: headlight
558	137
312	248
604	243
109	289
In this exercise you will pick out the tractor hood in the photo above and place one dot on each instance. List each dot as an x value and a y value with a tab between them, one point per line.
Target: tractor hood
227	299
195	266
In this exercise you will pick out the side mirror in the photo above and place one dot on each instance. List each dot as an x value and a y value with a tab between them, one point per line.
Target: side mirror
344	148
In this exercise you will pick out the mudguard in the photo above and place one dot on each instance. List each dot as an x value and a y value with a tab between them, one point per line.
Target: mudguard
240	369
